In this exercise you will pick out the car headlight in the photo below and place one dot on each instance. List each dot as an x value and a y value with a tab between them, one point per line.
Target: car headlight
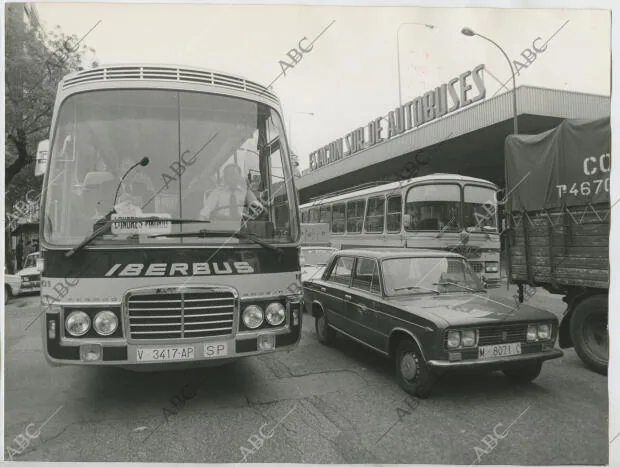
275	313
77	323
492	267
532	333
454	339
253	316
544	332
105	323
468	338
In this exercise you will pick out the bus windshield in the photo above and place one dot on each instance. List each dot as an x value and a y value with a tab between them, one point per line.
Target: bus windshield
434	207
479	209
217	159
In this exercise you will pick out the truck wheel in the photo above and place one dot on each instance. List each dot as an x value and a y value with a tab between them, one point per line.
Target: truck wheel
414	376
324	333
588	329
523	372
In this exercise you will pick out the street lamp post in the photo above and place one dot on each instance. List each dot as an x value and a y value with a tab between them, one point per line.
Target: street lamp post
430	26
469	32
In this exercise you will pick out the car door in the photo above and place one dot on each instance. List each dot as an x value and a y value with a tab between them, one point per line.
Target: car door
363	306
334	289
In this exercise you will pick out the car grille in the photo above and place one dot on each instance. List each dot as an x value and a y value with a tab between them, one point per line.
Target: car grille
182	315
476	267
504	334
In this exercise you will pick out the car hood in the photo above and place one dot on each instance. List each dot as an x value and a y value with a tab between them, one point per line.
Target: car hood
455	309
28	271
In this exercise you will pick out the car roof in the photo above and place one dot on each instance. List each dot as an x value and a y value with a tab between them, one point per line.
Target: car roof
383	253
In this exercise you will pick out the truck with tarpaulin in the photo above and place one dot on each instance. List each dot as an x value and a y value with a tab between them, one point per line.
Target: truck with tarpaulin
558	218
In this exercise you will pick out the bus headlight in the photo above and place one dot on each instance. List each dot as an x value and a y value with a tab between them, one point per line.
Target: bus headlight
105	323
253	316
275	314
492	267
77	323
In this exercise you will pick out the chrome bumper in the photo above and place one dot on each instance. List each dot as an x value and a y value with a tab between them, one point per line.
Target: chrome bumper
499	362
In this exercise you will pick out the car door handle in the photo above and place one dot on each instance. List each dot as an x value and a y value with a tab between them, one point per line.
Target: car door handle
323	289
347	297
362	307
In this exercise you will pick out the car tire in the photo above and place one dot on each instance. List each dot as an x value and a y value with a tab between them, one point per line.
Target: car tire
588	330
324	334
414	375
7	294
523	372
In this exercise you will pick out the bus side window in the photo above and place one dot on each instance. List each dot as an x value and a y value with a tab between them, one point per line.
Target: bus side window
314	215
375	212
394	210
325	215
355	216
338	221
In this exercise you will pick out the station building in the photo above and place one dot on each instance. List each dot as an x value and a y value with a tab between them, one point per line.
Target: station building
444	131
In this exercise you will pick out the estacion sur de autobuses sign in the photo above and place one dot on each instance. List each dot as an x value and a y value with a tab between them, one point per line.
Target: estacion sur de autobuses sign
423	109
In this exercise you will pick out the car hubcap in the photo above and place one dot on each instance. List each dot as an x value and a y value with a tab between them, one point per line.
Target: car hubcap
408	366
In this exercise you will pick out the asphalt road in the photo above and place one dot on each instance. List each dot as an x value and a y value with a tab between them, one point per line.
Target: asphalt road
320	404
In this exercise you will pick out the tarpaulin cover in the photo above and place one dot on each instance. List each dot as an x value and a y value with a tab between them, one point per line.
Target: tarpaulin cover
569	165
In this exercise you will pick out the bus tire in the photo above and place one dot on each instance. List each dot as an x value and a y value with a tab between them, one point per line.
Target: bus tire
588	330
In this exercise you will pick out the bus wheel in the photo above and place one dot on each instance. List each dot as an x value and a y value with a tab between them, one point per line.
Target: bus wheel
588	329
324	333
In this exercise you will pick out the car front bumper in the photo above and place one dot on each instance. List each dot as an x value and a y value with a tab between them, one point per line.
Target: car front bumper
496	362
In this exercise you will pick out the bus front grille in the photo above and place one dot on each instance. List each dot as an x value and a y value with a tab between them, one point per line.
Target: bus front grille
476	267
182	315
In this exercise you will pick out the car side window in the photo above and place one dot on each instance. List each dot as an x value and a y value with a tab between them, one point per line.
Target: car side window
341	273
364	276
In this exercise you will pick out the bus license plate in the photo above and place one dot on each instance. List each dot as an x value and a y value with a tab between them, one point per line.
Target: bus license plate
161	354
216	349
501	350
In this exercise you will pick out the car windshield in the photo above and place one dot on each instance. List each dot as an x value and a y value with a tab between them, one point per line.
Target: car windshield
404	276
316	256
31	261
205	158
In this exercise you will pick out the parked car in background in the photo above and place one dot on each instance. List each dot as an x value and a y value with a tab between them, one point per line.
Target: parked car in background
313	260
26	280
429	313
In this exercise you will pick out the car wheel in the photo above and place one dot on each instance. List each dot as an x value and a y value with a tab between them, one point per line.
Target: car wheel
7	294
523	372
588	328
324	333
413	374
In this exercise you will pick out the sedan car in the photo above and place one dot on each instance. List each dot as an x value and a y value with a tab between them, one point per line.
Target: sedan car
428	312
26	280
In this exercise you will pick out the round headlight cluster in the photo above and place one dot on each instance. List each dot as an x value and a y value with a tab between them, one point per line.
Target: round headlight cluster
253	315
462	338
538	332
78	323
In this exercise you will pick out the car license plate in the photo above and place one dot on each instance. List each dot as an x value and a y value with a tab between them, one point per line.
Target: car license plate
216	349
501	350
161	354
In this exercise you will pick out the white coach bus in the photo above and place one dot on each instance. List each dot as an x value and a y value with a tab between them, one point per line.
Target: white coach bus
439	211
169	223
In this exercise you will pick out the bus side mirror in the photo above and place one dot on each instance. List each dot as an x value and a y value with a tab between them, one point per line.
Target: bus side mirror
41	159
407	220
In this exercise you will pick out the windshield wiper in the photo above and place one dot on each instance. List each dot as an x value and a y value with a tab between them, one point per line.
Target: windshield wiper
105	226
416	287
222	233
458	285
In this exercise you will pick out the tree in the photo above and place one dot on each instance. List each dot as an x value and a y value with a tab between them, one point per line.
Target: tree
35	63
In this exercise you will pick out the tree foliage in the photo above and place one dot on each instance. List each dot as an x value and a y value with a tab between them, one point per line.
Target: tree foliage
36	61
